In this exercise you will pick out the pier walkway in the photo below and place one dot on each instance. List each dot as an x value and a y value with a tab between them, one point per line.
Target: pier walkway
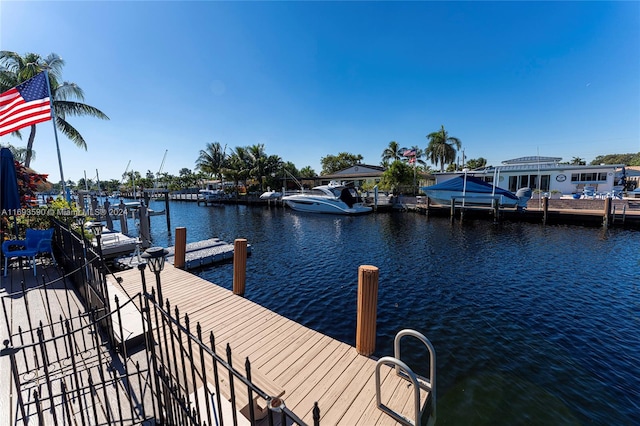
307	365
87	382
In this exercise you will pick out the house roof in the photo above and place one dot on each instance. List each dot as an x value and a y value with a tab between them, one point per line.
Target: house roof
357	171
536	159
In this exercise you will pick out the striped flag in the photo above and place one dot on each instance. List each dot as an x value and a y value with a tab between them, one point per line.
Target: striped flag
26	104
409	153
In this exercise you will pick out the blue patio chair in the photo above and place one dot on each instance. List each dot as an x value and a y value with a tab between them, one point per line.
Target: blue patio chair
589	191
36	242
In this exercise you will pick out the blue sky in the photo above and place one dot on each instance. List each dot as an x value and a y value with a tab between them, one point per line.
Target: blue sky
309	79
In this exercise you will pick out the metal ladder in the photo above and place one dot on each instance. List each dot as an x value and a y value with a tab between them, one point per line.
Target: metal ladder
622	215
419	383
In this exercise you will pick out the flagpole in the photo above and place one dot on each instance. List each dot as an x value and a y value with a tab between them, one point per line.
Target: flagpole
55	133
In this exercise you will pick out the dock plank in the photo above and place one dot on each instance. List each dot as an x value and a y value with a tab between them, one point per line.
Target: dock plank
308	365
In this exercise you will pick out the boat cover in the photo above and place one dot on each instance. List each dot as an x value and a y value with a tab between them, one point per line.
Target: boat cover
474	186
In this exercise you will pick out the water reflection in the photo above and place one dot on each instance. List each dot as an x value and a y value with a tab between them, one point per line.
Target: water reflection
531	324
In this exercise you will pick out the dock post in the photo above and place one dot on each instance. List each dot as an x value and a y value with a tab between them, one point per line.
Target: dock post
496	210
428	205
367	309
545	209
166	212
607	212
180	248
122	209
239	266
145	231
453	209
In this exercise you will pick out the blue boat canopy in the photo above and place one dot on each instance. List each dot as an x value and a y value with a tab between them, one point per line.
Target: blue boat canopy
474	186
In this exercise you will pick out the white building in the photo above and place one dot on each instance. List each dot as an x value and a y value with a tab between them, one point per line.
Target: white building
547	175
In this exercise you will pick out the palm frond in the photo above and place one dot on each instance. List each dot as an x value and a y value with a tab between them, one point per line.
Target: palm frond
65	108
70	132
67	91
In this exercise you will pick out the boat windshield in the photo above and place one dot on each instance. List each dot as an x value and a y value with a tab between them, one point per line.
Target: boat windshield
321	192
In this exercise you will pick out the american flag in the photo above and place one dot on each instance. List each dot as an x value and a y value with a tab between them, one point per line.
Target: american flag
26	104
409	153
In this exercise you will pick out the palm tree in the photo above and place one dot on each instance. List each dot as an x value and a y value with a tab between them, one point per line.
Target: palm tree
258	162
392	153
272	170
442	148
238	165
67	97
212	160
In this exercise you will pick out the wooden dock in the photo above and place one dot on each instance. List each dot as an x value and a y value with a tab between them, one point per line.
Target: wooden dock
307	365
198	254
82	378
584	212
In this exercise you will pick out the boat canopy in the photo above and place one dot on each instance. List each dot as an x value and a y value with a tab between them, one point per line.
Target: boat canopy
474	185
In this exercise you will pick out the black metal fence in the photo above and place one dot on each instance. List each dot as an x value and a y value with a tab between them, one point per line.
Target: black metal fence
71	363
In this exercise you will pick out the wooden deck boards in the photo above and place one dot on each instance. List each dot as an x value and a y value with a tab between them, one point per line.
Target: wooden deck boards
308	365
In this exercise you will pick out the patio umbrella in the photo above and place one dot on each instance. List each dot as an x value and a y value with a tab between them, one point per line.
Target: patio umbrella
9	196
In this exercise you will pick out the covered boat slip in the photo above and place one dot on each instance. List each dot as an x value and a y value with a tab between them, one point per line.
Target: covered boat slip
471	190
306	365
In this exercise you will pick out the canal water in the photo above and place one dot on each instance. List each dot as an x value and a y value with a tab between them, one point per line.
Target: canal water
531	324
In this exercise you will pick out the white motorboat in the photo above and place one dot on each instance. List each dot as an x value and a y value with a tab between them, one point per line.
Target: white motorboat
333	198
270	195
210	195
133	206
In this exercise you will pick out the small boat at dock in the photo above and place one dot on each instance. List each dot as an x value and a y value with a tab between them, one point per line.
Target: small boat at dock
210	195
472	190
333	199
271	195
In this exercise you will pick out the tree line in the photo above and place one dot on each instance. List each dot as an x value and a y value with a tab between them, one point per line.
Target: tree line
242	164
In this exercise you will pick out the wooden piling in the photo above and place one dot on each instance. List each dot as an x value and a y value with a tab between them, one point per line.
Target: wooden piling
607	212
166	212
122	209
180	248
145	229
545	209
239	266
453	209
367	309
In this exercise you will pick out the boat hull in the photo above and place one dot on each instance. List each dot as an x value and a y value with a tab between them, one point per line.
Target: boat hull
312	205
270	195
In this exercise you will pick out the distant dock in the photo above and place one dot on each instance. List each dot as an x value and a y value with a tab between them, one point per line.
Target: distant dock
198	254
623	213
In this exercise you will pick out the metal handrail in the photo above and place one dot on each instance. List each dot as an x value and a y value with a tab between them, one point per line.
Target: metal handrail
418	382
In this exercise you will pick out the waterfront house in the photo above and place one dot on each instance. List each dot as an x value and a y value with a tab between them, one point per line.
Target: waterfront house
365	175
546	174
359	174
